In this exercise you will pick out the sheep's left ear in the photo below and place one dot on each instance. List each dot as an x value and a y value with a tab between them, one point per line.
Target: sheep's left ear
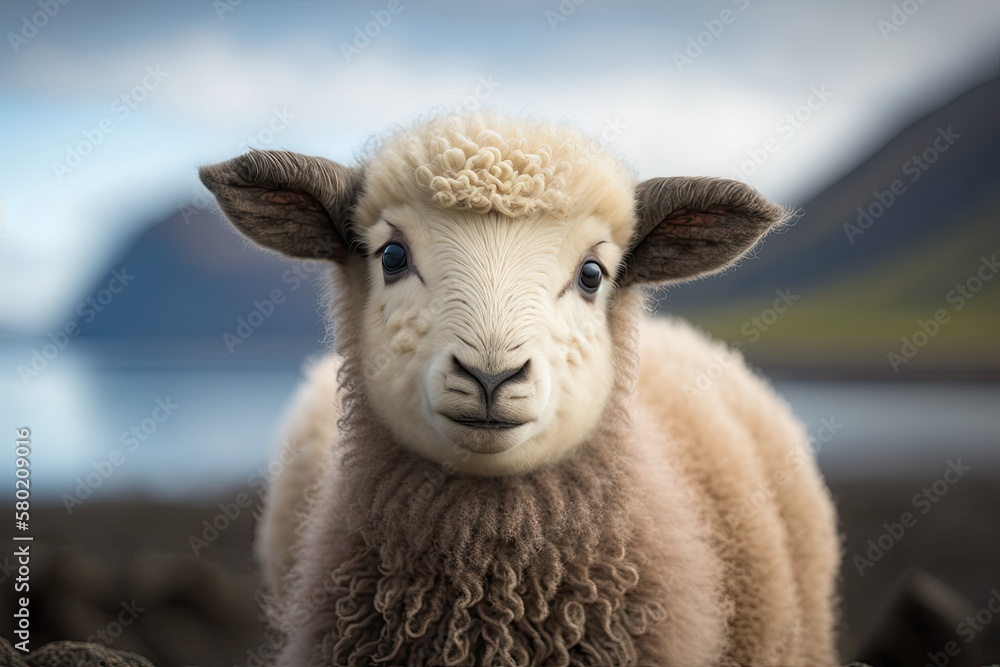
295	204
691	227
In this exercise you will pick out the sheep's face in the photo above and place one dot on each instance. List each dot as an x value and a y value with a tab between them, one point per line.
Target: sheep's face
484	309
486	340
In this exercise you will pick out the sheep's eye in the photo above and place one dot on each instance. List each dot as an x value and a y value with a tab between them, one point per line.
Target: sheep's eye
393	260
590	277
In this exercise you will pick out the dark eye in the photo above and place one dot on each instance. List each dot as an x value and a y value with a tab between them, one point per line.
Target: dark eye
590	277
393	261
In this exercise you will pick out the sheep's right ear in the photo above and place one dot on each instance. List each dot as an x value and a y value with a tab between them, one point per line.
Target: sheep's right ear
295	204
692	227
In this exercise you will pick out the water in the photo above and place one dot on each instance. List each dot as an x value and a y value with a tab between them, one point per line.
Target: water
203	431
197	431
897	429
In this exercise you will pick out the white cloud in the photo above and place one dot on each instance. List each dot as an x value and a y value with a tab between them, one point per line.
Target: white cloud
220	90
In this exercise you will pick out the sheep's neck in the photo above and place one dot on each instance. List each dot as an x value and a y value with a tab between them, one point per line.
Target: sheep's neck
498	568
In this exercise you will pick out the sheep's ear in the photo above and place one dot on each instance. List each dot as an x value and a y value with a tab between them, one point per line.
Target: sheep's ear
295	204
690	227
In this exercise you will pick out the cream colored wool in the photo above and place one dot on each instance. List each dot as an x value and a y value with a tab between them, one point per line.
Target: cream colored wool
735	457
628	521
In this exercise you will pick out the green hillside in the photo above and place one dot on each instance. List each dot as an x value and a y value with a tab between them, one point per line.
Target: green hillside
929	254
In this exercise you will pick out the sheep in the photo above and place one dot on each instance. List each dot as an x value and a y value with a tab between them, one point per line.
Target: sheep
500	462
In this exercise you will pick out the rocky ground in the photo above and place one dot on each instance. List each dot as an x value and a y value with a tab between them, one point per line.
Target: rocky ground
148	577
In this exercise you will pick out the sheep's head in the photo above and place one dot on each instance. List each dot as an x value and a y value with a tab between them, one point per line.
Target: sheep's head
488	255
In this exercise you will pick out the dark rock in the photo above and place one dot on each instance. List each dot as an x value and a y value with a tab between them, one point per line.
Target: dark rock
217	597
75	654
70	654
9	656
919	621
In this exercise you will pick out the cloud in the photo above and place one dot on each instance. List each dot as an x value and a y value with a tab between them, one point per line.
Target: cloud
610	72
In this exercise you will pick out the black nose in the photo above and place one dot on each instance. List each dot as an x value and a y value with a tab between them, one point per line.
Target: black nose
490	382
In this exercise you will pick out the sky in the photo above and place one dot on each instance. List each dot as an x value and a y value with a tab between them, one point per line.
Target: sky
109	107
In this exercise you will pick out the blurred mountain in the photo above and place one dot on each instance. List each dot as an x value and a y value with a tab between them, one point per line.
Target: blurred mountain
871	257
907	234
192	282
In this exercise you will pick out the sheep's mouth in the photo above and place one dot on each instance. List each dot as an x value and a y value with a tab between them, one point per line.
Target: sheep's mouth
486	424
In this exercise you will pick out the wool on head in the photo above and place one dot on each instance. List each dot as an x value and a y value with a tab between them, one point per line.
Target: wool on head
491	163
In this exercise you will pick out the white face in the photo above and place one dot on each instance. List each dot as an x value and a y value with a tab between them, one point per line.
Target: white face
486	346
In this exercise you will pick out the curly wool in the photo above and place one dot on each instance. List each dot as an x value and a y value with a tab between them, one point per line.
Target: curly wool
487	163
487	173
411	566
541	569
658	517
518	573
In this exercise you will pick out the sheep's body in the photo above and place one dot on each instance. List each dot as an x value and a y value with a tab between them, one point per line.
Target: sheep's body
771	516
726	471
501	471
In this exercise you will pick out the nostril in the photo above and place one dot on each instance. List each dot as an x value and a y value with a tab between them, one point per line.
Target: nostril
458	368
520	375
489	382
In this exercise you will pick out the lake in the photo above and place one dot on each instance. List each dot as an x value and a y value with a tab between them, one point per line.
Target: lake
192	430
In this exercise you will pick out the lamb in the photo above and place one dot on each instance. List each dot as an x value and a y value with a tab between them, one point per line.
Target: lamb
498	464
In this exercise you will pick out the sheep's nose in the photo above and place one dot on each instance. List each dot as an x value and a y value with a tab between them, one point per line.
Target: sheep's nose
490	382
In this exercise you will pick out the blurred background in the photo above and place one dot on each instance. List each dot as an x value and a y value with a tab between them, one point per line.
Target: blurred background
151	351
